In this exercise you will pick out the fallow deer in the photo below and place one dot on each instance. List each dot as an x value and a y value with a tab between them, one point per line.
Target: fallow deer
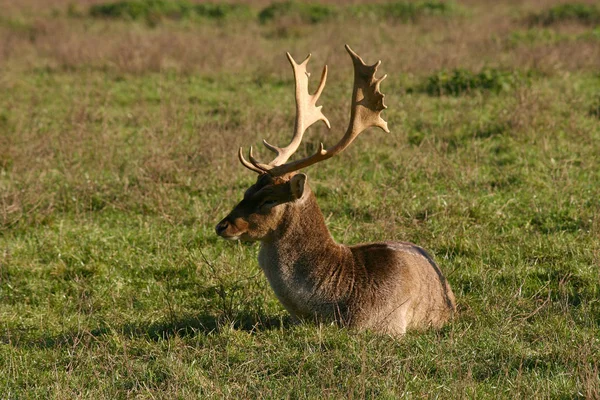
387	287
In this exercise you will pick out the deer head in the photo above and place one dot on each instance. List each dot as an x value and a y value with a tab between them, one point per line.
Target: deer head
279	187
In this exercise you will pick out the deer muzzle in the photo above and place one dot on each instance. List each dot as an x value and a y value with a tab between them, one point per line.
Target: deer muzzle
231	229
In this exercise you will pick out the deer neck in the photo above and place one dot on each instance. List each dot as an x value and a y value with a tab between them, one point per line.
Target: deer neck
301	230
300	258
301	247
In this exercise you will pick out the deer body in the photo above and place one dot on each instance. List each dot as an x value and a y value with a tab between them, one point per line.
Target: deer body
388	287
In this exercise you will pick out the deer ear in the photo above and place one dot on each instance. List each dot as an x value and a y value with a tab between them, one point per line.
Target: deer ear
297	185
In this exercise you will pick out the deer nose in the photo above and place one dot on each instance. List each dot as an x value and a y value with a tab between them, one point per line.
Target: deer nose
221	227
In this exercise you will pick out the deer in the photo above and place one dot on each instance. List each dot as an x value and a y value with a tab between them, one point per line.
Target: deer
386	287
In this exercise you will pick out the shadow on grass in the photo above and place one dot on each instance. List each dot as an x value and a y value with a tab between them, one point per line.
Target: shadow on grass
204	325
183	326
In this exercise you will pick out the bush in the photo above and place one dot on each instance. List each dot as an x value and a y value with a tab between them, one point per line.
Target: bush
595	108
403	10
139	9
460	81
157	9
304	12
283	11
584	13
210	10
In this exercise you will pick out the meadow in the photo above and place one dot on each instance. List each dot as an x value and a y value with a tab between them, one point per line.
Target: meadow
119	130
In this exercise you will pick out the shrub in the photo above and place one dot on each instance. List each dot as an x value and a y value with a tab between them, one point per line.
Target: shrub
460	81
403	10
595	108
157	9
304	12
584	13
138	9
221	10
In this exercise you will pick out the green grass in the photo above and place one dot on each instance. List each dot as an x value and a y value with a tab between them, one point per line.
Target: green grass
112	178
115	273
537	36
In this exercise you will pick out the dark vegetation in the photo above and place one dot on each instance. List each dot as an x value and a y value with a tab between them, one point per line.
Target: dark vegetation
310	13
595	108
405	11
583	13
290	11
153	10
461	81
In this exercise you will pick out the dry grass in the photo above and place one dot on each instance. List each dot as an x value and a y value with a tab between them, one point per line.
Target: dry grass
435	43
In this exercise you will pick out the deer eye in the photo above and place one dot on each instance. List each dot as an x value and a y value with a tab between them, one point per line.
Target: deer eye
268	203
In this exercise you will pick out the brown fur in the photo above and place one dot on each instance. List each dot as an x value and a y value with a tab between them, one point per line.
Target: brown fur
388	287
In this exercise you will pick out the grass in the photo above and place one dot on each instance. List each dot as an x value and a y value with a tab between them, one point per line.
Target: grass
537	36
117	158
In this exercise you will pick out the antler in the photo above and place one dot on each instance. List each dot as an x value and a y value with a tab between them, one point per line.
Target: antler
307	113
367	105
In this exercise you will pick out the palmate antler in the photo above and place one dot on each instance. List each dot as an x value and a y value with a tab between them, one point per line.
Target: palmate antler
367	104
307	113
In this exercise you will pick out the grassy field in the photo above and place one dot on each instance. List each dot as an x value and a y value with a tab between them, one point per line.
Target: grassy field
118	139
